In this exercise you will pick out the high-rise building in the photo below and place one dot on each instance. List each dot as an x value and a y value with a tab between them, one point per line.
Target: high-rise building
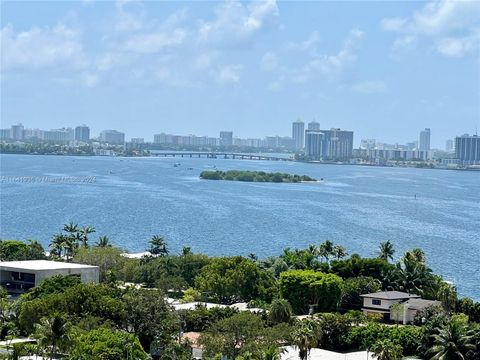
314	140
337	144
298	134
112	137
449	145
58	135
17	132
313	125
138	140
5	134
226	138
424	143
82	133
368	144
467	149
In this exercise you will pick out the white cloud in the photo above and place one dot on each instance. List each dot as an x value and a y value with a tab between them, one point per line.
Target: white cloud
151	43
457	47
452	26
230	74
237	23
41	47
306	45
270	62
369	87
317	65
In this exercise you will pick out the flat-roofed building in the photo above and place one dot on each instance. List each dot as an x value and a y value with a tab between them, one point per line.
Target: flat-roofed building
20	276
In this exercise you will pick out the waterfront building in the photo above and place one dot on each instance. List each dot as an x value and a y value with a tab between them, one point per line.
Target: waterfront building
58	135
337	144
82	133
5	134
17	132
314	144
17	277
368	144
298	134
467	149
313	125
226	138
383	155
33	134
424	143
412	145
383	303
449	145
112	137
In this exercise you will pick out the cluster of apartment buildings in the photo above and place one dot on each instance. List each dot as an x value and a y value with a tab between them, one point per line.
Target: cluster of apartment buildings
80	134
333	144
225	139
316	144
464	150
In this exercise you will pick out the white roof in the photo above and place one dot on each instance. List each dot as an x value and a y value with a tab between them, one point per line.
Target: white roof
136	255
291	353
40	265
193	305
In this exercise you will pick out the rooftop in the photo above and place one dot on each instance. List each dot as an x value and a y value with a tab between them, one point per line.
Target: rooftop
391	295
418	304
39	265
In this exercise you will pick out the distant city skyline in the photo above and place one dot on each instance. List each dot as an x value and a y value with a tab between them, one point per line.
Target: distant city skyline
384	70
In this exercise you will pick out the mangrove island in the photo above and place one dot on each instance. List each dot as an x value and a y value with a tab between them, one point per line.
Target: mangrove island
255	176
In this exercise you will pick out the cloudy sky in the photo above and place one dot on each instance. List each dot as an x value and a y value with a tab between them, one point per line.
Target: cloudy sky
383	69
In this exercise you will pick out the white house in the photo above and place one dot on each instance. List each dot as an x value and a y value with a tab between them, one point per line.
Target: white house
20	276
383	303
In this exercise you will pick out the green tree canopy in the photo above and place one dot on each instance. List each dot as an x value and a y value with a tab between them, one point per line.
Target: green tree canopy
107	344
305	288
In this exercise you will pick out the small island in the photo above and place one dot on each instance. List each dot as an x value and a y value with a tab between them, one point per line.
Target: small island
255	176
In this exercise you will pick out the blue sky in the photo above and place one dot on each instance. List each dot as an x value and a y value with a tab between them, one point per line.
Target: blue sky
385	70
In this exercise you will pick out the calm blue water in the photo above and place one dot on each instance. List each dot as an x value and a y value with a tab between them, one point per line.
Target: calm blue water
135	198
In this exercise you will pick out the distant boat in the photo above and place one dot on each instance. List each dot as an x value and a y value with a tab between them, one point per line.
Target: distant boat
190	168
176	165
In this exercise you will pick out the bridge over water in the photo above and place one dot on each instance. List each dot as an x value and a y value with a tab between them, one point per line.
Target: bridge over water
220	155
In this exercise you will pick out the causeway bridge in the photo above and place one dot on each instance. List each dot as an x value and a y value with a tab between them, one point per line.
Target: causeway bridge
220	155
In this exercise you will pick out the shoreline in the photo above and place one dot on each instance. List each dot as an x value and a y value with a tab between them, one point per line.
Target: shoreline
292	160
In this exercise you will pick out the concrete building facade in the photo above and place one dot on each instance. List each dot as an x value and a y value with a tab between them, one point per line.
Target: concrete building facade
424	143
20	276
298	134
467	149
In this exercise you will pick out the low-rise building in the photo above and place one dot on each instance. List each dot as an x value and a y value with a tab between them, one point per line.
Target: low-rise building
20	276
395	305
382	302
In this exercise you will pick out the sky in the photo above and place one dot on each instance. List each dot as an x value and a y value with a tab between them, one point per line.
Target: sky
383	69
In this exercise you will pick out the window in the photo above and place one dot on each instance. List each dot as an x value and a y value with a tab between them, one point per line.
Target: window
376	302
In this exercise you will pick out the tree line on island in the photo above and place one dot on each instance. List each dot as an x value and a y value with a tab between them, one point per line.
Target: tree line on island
119	319
255	176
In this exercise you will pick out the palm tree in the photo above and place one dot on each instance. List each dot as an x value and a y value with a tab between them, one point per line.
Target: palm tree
103	241
186	250
339	252
52	333
416	255
305	337
158	246
387	350
280	311
71	228
84	232
447	294
386	250
452	342
325	250
412	276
